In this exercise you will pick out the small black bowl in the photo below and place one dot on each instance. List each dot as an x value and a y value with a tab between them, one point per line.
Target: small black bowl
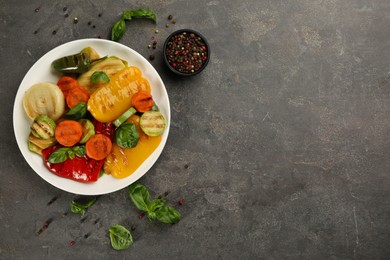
186	52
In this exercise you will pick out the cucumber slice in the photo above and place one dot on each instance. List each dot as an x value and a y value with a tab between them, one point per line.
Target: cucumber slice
43	126
152	123
88	130
126	115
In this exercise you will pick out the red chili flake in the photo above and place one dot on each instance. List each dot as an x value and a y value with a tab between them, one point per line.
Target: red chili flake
72	243
141	215
181	202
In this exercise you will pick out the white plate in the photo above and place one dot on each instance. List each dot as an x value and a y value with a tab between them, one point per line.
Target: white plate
41	72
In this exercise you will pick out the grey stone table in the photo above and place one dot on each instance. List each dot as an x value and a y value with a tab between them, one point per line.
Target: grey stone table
280	148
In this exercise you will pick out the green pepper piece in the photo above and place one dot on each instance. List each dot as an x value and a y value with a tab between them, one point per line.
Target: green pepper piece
77	63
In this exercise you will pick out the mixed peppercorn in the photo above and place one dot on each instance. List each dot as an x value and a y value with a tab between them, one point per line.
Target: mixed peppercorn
186	52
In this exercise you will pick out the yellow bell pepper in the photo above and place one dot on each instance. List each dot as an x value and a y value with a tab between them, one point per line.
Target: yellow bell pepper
123	162
110	101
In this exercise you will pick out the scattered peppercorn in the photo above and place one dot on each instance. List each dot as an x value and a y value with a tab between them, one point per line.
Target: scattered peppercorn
87	235
100	14
65	214
166	193
54	32
65	8
37	9
66	15
186	52
93	26
174	21
170	17
36	31
132	227
151	57
89	23
75	20
72	243
167	25
96	221
186	166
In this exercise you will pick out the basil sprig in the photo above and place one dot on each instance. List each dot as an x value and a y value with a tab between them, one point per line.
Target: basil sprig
77	112
119	28
64	153
156	209
77	207
99	76
120	237
127	135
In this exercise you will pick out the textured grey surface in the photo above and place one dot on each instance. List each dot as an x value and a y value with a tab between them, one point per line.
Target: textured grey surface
280	148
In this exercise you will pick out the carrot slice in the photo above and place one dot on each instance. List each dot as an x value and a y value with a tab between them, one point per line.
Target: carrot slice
76	95
98	147
66	83
142	101
68	132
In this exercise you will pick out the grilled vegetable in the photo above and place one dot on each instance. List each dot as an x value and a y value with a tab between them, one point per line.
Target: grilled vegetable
76	63
152	123
44	99
131	111
92	53
41	143
110	101
110	66
88	130
43	127
33	148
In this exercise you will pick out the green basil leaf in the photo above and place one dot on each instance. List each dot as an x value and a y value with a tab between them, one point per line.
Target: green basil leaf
71	154
59	155
99	76
140	196
79	150
152	216
156	204
127	135
77	112
118	30
140	13
120	237
80	208
168	214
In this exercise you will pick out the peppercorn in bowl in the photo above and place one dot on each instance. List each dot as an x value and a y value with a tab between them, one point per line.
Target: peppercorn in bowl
186	52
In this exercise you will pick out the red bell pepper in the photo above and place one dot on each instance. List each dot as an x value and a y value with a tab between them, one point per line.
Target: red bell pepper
82	169
107	129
